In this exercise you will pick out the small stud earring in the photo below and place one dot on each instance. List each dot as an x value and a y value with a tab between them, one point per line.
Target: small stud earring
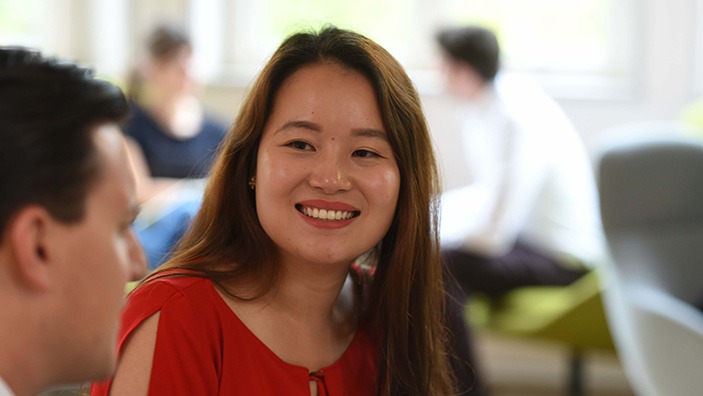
252	183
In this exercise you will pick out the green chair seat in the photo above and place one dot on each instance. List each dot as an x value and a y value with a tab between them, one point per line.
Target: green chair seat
572	315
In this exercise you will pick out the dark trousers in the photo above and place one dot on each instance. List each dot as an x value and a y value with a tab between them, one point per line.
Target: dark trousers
467	273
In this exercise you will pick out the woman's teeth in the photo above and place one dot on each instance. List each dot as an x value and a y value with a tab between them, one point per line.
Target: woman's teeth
324	214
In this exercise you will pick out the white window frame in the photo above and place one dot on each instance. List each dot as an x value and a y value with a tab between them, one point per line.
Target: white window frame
229	41
228	52
697	88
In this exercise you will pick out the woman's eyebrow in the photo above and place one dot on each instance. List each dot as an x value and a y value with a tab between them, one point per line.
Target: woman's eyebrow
362	132
371	132
295	124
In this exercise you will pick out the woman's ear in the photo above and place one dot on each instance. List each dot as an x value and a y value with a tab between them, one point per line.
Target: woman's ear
27	236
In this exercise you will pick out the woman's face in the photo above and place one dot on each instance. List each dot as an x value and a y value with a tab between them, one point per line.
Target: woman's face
327	181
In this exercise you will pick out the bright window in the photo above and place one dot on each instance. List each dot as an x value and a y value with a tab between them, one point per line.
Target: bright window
576	47
253	30
20	22
389	22
583	45
554	35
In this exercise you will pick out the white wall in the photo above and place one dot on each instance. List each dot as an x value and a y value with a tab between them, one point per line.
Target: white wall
668	58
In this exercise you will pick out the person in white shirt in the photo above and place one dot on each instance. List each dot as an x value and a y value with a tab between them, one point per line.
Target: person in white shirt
529	215
67	202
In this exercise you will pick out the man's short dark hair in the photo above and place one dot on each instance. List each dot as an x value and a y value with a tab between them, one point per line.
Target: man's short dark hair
474	45
48	110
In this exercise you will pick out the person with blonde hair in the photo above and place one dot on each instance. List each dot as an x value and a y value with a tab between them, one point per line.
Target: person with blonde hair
313	264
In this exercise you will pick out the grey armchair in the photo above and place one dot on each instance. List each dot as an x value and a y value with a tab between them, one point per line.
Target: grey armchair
651	196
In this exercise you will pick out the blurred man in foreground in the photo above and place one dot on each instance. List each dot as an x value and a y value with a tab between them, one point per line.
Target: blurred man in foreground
67	201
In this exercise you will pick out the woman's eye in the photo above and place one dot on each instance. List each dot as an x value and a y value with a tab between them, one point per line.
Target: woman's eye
300	145
365	154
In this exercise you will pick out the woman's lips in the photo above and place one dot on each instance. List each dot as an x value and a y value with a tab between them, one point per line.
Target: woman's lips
327	211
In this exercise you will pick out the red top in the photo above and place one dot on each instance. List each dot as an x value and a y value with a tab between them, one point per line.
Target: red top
203	348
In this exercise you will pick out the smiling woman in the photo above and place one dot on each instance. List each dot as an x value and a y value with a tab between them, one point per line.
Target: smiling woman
314	163
329	159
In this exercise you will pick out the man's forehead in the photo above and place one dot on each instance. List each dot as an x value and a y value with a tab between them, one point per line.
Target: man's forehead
115	171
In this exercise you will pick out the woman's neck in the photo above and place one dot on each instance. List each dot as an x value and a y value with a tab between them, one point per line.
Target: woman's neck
320	298
317	310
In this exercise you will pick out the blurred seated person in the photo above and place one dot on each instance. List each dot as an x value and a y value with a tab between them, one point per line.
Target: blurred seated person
171	135
529	216
66	246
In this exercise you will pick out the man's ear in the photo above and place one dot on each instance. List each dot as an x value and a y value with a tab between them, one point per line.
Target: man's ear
28	238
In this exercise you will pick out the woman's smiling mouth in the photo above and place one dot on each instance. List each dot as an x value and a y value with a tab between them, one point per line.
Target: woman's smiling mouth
326	214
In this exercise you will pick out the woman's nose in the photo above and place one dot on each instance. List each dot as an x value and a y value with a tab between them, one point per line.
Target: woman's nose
331	174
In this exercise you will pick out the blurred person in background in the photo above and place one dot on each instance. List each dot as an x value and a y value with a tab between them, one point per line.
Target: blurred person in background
171	138
67	202
529	216
171	134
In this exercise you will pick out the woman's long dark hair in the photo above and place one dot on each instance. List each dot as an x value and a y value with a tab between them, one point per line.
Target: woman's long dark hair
405	298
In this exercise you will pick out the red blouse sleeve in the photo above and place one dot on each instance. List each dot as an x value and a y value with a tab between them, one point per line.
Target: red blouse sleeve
186	356
184	362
